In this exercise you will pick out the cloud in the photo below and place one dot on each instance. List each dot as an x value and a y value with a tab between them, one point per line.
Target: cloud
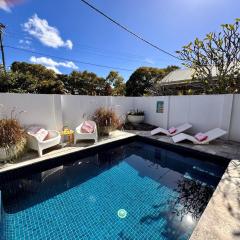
149	60
54	69
25	41
51	64
25	44
47	35
4	5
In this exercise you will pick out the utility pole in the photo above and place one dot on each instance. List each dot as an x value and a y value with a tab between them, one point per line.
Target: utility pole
2	27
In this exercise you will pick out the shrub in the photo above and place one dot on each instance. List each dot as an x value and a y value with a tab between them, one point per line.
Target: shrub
12	139
106	120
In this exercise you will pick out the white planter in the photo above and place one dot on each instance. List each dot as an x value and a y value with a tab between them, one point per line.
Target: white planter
134	119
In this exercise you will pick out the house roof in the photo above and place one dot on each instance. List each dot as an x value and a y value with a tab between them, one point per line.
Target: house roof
178	75
181	76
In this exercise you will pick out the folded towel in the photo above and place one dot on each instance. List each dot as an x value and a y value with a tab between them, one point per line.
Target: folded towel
201	137
172	130
87	127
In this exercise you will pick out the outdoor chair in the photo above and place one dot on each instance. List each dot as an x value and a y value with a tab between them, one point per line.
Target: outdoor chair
53	139
83	135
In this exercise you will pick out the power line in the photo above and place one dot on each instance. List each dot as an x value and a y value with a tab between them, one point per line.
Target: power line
97	53
13	33
130	57
67	59
128	30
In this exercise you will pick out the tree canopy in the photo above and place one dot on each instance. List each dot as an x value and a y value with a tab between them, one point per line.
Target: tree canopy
144	78
35	78
117	83
216	60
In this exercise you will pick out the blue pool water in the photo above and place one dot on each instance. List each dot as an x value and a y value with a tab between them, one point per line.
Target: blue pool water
135	191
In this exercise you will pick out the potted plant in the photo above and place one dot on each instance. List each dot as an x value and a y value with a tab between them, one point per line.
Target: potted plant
12	139
135	116
106	120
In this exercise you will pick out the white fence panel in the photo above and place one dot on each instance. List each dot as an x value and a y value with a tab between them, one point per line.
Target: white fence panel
149	105
204	112
235	121
40	109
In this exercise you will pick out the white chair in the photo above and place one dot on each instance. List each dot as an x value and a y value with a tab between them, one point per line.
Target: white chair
79	135
54	139
211	135
180	129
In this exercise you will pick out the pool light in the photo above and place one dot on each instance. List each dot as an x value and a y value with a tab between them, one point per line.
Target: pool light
122	213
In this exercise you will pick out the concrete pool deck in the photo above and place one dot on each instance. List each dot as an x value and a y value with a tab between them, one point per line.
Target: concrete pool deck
221	218
31	157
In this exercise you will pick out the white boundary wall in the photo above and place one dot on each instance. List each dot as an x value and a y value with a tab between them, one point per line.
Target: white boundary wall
204	112
42	109
77	108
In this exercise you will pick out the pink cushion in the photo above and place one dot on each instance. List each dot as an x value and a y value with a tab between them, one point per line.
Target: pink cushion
172	130
33	130
87	127
42	134
201	137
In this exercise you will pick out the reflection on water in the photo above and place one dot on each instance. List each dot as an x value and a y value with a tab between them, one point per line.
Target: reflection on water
192	198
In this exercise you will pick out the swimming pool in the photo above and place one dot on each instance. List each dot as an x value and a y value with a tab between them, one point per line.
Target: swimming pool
132	191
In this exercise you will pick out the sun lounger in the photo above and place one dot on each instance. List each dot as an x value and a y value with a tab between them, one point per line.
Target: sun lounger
211	135
179	129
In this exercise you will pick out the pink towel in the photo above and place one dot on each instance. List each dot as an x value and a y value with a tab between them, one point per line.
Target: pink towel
201	137
172	130
87	127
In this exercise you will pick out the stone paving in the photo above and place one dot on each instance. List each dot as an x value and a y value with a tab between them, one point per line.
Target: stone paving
31	157
227	149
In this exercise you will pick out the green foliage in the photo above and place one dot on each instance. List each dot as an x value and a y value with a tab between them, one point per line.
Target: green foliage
216	60
144	78
86	83
31	78
117	83
34	78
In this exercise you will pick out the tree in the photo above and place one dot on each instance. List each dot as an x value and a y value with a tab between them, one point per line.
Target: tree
34	78
216	60
5	80
36	70
117	83
87	83
144	78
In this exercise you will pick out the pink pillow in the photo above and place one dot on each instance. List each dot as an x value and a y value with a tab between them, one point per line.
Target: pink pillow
87	127
41	134
172	130
201	137
33	130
